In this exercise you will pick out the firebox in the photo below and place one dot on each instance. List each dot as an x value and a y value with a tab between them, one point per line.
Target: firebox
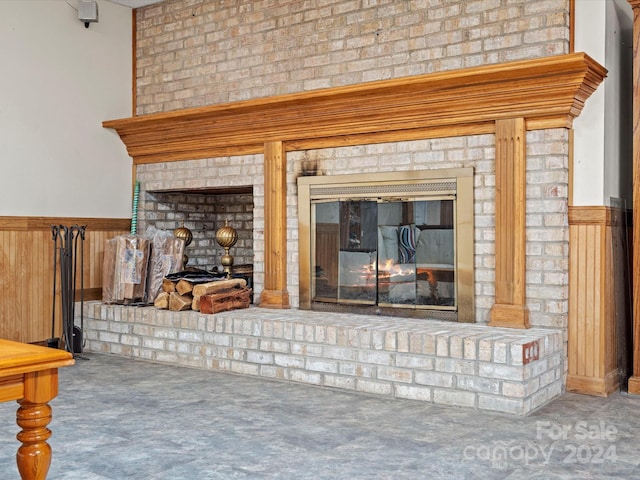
398	243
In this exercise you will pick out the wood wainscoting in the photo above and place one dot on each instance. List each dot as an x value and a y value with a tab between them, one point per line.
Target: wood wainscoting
592	355
26	272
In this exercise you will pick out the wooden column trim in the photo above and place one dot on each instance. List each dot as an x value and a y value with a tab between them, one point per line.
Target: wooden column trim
634	381
510	309
591	350
275	293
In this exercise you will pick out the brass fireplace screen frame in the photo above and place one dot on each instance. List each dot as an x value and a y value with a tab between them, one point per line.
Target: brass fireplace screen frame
455	182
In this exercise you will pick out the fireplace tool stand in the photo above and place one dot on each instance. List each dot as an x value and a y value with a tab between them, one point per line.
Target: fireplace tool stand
66	249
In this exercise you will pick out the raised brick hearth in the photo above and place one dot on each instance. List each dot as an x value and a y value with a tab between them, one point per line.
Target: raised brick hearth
438	362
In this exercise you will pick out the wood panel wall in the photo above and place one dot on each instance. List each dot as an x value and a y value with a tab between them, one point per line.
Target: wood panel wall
26	272
592	355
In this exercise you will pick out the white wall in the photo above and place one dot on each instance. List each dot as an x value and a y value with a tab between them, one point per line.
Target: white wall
618	121
588	159
602	162
58	82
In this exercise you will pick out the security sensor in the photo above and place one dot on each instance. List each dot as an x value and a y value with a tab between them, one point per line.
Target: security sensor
87	11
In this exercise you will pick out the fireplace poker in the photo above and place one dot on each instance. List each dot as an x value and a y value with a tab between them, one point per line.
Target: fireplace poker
68	264
65	286
79	233
54	342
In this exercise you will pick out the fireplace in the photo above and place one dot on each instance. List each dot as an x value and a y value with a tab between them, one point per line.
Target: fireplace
390	243
508	121
203	211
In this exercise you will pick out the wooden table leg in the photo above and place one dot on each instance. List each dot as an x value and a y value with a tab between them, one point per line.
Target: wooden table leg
34	414
34	455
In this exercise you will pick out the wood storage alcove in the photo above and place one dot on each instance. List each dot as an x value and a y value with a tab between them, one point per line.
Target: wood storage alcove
504	99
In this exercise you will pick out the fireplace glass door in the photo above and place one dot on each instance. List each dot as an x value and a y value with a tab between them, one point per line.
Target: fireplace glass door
390	252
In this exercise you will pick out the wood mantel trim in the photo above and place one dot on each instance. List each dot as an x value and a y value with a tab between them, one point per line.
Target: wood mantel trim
547	92
44	223
590	215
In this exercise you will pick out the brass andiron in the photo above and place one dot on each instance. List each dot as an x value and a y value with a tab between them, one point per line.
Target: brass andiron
185	234
227	237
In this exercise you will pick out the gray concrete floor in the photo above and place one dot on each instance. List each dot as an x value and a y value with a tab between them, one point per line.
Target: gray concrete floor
117	418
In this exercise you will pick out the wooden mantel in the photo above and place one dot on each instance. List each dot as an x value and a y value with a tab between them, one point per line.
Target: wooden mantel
547	92
504	99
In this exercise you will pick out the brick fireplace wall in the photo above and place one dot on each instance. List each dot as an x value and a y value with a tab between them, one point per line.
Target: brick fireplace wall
194	53
547	173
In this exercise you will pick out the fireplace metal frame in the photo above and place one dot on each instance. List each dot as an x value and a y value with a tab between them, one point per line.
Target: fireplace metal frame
395	184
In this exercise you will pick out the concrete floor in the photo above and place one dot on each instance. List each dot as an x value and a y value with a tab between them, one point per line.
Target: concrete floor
117	419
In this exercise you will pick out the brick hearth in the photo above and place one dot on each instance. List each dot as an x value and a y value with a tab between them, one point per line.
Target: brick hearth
438	362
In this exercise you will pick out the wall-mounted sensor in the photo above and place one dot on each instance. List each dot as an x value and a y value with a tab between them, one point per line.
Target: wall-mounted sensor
87	11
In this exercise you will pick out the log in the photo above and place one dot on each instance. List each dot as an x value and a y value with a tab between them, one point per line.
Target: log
162	301
183	287
168	285
195	304
229	299
217	286
178	303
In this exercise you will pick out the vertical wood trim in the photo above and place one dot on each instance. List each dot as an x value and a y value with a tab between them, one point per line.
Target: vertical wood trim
275	293
305	247
572	26
592	360
134	62
510	309
571	170
634	381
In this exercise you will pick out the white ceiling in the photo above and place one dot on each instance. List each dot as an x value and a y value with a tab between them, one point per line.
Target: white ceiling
136	3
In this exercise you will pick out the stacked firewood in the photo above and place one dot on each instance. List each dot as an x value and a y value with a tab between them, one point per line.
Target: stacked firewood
210	297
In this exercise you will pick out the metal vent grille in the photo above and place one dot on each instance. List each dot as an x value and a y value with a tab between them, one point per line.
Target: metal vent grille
377	189
427	314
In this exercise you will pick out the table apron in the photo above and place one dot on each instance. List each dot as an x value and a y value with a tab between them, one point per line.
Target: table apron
11	388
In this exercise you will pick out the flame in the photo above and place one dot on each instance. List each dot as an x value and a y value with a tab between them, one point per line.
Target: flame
389	268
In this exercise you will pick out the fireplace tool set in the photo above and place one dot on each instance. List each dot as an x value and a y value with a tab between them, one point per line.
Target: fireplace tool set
68	242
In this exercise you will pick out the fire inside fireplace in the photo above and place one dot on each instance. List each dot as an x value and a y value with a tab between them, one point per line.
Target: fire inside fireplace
399	244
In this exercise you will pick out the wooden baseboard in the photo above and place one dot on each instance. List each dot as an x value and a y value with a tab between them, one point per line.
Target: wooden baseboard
634	385
510	316
274	299
600	387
